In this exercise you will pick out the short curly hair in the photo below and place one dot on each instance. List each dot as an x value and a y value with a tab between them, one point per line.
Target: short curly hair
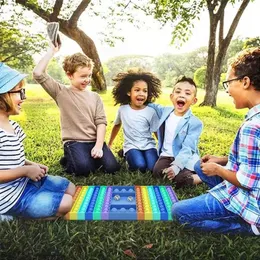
247	63
125	81
74	61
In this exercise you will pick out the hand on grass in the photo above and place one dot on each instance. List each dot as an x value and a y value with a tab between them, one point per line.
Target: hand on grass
169	173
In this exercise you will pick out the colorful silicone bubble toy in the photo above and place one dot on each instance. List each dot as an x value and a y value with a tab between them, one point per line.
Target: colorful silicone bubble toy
122	203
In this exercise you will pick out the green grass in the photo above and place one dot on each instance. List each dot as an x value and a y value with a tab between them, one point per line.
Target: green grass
61	239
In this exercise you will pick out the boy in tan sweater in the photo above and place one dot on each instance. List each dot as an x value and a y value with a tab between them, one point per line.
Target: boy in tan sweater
82	115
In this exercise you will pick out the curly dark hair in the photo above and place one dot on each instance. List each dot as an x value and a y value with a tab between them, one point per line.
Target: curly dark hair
247	63
125	81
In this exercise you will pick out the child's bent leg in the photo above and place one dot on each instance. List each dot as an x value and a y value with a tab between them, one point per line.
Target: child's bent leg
109	161
78	156
162	163
184	178
65	205
71	189
208	214
151	158
211	181
136	160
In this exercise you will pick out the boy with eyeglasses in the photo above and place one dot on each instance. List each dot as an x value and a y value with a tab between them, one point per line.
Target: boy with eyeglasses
232	203
82	115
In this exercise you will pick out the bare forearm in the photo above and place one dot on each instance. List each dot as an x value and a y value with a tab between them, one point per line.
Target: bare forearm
113	134
101	131
228	176
43	63
13	174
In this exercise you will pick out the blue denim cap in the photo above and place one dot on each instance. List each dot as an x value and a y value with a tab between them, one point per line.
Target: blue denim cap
9	78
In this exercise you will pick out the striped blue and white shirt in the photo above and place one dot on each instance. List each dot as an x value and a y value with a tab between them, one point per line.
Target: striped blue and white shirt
11	156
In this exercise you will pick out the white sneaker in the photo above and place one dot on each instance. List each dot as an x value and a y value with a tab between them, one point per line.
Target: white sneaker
255	230
6	218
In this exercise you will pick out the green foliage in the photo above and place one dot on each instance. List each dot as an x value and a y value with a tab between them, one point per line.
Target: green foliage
199	77
56	71
252	42
124	63
18	44
69	240
180	14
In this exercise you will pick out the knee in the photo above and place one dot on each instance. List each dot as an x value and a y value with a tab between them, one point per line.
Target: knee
82	168
112	168
71	189
197	167
65	205
177	211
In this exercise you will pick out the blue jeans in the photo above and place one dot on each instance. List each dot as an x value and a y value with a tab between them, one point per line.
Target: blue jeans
78	159
41	199
141	160
207	213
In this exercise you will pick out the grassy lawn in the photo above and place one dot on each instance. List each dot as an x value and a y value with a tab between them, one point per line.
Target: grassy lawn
61	239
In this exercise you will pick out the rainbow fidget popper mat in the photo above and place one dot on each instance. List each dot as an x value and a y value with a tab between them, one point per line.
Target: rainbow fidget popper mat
122	203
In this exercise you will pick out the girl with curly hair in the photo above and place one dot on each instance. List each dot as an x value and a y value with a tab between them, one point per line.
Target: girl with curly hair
133	91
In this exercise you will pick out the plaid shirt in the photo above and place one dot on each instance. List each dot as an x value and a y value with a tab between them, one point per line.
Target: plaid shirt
244	160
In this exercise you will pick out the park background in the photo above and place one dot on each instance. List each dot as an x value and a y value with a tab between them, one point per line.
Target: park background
23	39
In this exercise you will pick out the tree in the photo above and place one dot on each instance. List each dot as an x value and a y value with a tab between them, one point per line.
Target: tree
125	62
60	12
17	45
251	42
184	12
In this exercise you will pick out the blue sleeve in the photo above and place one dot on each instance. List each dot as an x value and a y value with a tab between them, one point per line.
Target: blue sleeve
189	145
158	108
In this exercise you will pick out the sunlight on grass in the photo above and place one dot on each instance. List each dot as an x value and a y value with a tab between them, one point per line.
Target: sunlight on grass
108	240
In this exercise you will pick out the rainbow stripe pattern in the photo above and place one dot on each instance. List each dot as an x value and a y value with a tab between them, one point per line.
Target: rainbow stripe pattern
122	203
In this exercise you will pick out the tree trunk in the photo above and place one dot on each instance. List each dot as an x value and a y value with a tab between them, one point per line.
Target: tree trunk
88	47
210	96
213	71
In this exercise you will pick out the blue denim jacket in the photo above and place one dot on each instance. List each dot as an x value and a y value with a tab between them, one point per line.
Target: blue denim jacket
186	137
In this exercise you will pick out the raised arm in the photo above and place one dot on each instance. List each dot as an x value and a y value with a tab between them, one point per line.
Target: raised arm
40	68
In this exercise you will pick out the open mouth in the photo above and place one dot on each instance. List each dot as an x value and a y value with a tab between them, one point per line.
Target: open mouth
180	103
140	99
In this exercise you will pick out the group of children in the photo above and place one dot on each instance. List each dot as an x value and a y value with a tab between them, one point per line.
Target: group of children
231	206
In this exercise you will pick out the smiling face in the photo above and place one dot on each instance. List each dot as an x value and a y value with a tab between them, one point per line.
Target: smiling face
237	89
138	94
16	99
182	97
81	78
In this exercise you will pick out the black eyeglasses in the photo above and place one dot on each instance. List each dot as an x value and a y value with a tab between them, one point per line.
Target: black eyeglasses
225	83
21	91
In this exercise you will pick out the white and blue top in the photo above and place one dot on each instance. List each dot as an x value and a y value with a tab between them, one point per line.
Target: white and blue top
11	156
138	126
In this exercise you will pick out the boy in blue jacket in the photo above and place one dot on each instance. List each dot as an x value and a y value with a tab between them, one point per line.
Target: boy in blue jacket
178	136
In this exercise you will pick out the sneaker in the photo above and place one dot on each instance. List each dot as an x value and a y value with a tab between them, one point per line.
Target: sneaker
6	218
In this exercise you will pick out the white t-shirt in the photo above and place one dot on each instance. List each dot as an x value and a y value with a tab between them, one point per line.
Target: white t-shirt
138	126
11	156
171	124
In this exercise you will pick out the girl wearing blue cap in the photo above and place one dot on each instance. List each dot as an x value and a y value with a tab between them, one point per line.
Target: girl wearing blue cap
25	188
